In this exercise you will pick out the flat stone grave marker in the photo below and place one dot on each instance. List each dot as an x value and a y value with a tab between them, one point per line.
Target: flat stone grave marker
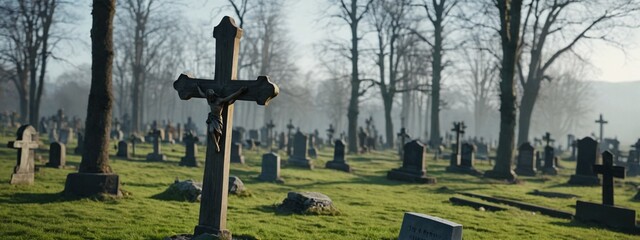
607	213
586	158
421	226
338	162
413	166
25	143
526	163
57	155
299	157
123	149
220	94
270	168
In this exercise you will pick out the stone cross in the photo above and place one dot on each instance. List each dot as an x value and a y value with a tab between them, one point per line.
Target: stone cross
458	128
213	206
330	133
25	143
608	172
290	128
369	122
601	122
547	138
270	126
403	135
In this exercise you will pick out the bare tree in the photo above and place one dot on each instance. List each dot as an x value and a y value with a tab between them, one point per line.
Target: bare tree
510	16
439	14
26	44
352	13
565	23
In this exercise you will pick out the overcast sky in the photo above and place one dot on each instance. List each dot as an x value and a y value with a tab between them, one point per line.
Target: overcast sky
612	64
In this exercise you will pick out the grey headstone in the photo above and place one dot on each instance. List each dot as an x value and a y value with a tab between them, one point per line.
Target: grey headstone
338	162
549	161
526	162
413	165
191	150
26	143
299	157
270	168
123	149
587	157
417	226
236	153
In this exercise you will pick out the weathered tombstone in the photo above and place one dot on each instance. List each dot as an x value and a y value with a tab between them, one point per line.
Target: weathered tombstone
191	150
468	159
264	136
549	156
413	165
156	155
417	226
123	149
236	136
483	151
80	146
53	134
26	143
586	158
57	155
282	141
633	161
607	213
403	136
299	157
538	160
220	94
338	161
312	146
362	140
236	153
270	136
270	168
253	134
526	163
455	161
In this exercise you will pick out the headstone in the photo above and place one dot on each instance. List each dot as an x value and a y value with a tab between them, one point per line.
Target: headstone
403	136
53	135
123	149
362	140
236	153
549	167
26	143
236	186
338	161
633	160
253	134
468	159
330	132
299	157
417	226
312	146
57	155
526	163
586	158
156	155
264	136
80	145
483	151
65	135
236	136
607	213
282	141
191	150
219	94
270	168
413	166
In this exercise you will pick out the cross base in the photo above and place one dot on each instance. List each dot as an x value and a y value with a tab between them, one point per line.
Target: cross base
90	184
223	234
584	180
611	216
22	178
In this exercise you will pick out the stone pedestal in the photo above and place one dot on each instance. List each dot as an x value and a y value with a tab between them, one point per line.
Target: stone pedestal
90	184
611	216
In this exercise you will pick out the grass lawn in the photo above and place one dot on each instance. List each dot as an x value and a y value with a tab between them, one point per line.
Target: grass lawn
371	206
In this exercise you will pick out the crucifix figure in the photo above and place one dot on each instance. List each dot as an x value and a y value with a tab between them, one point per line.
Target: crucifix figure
602	122
220	94
547	138
608	172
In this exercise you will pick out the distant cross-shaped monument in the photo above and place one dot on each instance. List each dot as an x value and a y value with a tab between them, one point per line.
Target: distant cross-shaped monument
601	122
608	172
458	128
26	143
330	133
220	95
290	128
547	138
403	135
270	126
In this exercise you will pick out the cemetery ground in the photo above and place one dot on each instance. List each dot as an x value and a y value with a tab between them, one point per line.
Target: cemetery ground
370	206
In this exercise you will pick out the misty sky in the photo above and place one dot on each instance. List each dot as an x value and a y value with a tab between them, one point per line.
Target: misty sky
306	28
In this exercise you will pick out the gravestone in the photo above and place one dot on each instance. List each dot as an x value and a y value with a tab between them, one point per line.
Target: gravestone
312	146
330	132
282	141
290	127
80	145
483	151
156	155
53	134
607	213
538	160
413	166
338	162
57	155
299	157
456	164
253	134
633	161
220	94
468	159
264	136
526	163
600	121
123	149
236	136
586	158
65	135
25	143
403	136
236	153
418	226
270	168
362	140
191	150
549	167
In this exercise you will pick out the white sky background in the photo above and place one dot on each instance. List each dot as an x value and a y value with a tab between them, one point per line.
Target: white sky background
307	28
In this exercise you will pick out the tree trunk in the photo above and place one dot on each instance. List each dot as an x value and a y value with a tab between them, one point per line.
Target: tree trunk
435	92
95	158
352	114
527	103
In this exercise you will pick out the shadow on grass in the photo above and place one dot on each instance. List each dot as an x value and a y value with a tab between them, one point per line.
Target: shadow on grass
41	198
588	225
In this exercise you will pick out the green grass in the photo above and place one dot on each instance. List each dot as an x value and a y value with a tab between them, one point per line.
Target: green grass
371	207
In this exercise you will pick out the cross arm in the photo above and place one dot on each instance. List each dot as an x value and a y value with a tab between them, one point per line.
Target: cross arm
261	90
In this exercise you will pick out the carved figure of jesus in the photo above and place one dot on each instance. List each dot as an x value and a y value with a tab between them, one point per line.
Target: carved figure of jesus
217	103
